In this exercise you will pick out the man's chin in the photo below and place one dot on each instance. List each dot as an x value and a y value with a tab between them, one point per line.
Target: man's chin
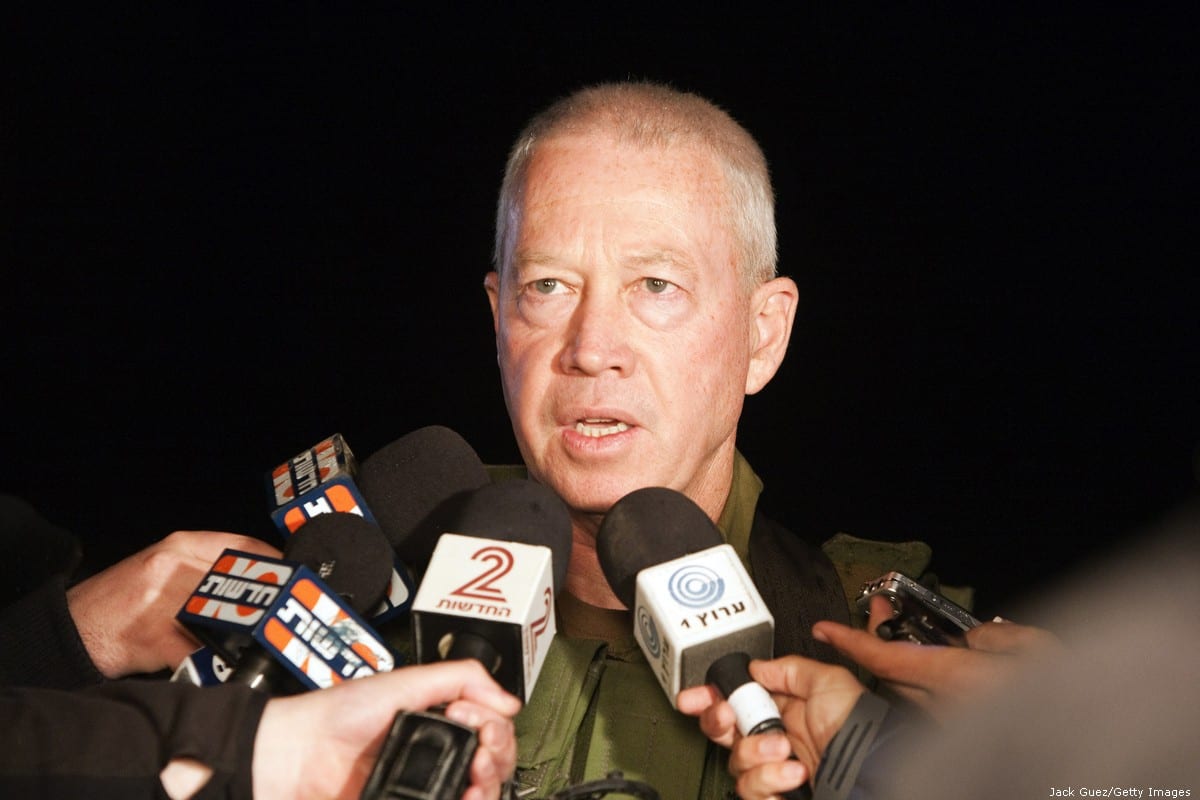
592	497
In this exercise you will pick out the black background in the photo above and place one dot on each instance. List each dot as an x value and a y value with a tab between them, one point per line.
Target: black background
230	231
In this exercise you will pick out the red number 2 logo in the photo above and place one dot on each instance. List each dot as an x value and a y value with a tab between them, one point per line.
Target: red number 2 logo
482	586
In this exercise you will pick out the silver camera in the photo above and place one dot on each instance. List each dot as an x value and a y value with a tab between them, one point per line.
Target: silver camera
919	614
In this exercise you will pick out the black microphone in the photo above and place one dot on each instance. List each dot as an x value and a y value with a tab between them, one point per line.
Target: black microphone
349	553
413	484
313	635
408	480
405	480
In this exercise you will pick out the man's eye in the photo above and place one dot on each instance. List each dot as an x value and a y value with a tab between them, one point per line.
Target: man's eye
657	285
545	286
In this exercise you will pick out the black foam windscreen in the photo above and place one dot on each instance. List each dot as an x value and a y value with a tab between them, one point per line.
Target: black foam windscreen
647	527
349	553
517	511
412	484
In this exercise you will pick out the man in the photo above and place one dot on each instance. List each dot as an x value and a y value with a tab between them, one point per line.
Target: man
636	304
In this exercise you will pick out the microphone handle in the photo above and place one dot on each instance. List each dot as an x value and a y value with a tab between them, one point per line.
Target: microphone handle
258	670
753	705
467	644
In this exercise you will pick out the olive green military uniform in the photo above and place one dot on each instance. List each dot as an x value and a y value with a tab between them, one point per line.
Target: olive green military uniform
597	707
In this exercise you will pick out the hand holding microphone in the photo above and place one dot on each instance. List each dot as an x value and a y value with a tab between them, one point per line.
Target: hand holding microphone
697	614
815	700
698	617
125	614
323	744
329	525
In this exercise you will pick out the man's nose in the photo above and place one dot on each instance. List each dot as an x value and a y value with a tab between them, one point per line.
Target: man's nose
598	338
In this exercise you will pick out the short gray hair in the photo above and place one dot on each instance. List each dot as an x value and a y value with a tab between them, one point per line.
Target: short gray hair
654	115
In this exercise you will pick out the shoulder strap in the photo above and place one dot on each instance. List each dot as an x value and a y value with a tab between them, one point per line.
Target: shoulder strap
801	587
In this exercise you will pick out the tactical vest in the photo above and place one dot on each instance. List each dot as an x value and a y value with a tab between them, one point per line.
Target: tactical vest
598	707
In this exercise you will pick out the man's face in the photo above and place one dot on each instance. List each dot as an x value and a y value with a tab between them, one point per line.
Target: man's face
623	328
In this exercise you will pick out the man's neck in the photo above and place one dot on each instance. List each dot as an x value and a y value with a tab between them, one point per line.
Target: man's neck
585	579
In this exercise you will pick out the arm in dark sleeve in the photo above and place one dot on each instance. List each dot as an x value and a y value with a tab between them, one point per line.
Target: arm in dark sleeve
39	643
858	763
114	740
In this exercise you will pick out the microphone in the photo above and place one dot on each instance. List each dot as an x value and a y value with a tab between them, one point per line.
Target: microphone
301	613
319	480
513	546
489	590
698	617
692	600
230	600
204	667
756	712
398	487
414	486
408	479
314	629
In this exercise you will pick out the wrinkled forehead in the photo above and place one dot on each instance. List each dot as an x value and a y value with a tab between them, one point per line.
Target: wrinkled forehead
598	171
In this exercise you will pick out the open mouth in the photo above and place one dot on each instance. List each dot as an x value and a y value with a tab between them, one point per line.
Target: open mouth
596	428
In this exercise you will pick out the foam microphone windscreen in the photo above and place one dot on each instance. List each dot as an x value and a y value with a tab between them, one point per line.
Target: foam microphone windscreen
349	553
411	483
647	527
517	511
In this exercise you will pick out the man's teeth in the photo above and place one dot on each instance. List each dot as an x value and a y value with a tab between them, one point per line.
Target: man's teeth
596	428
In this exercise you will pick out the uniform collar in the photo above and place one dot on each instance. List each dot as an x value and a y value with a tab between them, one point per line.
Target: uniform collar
737	518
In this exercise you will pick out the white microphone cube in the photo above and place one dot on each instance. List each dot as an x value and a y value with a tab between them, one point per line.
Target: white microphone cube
694	609
499	590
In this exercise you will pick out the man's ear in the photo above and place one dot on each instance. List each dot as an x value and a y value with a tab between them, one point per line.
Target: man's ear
491	284
773	306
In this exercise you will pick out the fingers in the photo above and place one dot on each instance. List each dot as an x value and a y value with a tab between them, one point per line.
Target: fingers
1008	637
912	670
880	610
695	700
494	761
763	767
814	700
801	677
933	677
754	751
205	546
446	681
719	723
464	712
895	661
717	719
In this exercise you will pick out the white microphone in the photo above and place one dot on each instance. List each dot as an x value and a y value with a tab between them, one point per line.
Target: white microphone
488	592
692	600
